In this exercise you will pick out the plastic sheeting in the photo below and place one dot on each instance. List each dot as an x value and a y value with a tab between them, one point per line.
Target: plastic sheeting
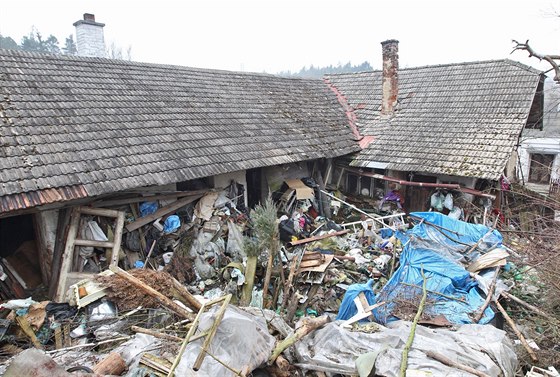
436	245
347	307
242	340
333	349
451	237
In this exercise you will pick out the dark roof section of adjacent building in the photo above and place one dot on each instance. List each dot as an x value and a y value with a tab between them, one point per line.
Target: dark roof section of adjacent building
89	126
455	119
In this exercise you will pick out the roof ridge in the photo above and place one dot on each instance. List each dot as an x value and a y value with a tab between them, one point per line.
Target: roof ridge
62	57
475	62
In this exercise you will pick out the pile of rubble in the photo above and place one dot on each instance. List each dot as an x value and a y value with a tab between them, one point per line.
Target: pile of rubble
199	286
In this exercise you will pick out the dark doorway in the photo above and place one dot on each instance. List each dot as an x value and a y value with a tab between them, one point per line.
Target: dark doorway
254	187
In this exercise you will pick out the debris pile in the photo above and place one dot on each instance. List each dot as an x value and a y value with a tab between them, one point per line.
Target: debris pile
195	284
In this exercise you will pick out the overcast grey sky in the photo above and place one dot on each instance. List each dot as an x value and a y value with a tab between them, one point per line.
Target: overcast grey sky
276	35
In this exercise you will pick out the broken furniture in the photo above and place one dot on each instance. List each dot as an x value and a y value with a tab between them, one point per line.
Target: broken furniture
67	275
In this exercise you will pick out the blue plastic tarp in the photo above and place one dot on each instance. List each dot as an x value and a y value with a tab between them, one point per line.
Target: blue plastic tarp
438	256
347	307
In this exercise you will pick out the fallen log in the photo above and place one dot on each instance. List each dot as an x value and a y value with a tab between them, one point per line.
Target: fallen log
309	325
444	360
517	332
112	365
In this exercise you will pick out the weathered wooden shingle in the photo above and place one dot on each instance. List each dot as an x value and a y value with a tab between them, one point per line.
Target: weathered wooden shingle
457	119
112	125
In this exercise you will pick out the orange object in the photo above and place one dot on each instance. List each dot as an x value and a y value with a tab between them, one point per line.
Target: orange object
82	292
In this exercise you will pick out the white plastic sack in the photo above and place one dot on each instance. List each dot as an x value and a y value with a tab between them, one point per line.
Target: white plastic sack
242	340
448	202
333	349
436	201
235	243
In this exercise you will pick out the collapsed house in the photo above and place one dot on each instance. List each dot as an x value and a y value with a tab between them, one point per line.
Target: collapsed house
452	128
112	165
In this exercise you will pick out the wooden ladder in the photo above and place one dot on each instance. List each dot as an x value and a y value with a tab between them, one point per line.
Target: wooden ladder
68	255
208	335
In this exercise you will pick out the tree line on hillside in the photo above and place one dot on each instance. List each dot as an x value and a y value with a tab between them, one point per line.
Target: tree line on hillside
35	41
318	72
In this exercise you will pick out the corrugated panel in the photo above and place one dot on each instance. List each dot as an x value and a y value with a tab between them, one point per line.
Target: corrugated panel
27	200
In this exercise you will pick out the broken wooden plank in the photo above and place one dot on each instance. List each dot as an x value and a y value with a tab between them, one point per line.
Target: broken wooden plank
93	243
24	324
103	212
156	334
161	212
316	238
189	300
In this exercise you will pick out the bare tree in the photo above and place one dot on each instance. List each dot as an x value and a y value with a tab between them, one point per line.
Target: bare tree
552	59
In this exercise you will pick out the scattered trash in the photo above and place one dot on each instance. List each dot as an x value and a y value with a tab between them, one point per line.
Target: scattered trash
288	288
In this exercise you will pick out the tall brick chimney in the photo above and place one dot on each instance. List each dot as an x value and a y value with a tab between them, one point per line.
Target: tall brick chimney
89	37
390	76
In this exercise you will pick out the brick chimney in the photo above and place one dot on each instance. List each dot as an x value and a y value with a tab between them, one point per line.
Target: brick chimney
390	76
89	37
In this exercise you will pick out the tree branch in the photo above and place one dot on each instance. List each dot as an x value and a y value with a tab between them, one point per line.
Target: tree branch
549	58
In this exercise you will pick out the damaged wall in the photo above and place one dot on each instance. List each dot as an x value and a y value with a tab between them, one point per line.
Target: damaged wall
223	180
276	175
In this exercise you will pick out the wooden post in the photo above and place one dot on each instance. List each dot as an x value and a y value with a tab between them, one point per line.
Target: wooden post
271	254
67	255
250	270
293	268
117	238
168	303
404	360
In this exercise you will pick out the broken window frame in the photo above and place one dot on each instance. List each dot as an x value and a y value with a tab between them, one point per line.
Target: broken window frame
540	167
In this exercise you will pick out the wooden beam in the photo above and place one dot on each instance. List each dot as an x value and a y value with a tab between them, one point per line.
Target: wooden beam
161	212
117	238
148	198
156	334
103	212
94	243
327	235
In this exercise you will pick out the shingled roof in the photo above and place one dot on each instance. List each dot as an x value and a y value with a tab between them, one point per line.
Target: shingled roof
74	127
455	119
